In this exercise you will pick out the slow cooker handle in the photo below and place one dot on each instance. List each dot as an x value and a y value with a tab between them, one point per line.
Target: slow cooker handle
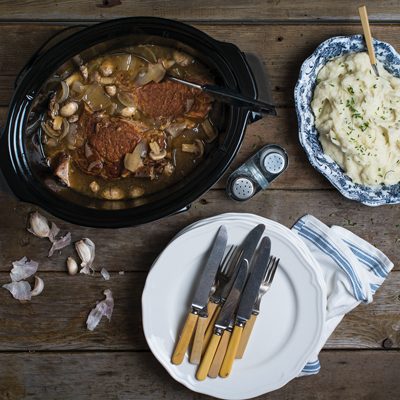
38	53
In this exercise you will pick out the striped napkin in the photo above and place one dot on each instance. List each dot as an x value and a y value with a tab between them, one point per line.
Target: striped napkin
352	269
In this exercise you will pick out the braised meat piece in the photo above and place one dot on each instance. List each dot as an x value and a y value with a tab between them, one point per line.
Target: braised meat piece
60	164
105	141
168	100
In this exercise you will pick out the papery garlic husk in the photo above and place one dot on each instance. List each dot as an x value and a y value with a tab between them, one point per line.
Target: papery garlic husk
105	307
19	290
60	244
23	269
105	274
72	266
39	225
39	286
86	251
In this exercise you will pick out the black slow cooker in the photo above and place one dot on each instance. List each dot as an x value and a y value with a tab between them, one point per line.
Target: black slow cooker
31	181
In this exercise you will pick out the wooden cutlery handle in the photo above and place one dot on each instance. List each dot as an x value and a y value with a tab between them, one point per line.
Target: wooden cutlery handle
231	352
245	336
211	309
367	33
219	355
195	355
210	329
208	358
184	340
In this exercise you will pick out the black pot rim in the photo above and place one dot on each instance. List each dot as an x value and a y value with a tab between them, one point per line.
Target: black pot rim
15	165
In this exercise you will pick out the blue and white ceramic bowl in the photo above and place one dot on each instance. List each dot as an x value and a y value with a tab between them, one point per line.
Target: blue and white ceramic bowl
308	134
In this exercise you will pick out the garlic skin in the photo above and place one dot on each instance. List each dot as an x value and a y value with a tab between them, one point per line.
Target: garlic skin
39	225
105	273
72	266
19	290
23	269
105	307
39	286
60	244
86	251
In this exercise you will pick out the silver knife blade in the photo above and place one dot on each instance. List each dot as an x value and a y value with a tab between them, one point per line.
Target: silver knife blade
203	290
253	284
232	300
249	247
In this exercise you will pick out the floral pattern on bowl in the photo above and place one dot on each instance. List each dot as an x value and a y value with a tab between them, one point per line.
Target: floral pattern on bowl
308	134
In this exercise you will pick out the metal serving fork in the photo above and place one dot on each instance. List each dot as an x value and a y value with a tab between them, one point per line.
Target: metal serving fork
264	287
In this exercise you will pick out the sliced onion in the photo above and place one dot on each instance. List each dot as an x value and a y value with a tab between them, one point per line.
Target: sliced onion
96	97
88	151
94	164
175	129
155	72
123	62
133	161
65	128
78	87
124	99
208	129
49	131
71	134
64	92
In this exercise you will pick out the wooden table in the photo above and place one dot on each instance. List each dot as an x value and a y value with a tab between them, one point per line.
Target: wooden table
46	351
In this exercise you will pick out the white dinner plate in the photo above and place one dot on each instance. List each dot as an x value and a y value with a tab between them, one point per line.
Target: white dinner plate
286	332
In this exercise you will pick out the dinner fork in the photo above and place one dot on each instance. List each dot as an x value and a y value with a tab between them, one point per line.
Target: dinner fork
218	301
264	287
220	280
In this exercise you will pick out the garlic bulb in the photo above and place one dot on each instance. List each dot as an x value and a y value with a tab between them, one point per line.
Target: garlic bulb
72	266
39	285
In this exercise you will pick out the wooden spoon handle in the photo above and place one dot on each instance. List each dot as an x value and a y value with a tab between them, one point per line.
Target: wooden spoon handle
184	340
195	355
231	352
219	355
208	358
367	33
245	336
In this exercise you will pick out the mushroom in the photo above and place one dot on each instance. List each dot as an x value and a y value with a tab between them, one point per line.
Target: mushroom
84	72
107	68
135	192
128	111
94	186
210	131
57	123
182	59
53	106
169	169
69	109
113	193
111	90
73	118
95	77
156	153
197	148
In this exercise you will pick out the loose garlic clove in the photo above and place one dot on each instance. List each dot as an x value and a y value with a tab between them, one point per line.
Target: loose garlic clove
72	266
39	286
39	225
86	251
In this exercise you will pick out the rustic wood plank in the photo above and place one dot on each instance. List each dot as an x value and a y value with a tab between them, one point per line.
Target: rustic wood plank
207	10
56	319
134	249
283	48
47	376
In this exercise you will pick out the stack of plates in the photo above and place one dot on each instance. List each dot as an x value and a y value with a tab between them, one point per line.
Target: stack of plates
286	332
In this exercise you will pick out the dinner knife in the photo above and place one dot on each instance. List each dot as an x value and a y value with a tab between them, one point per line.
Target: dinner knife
200	298
246	304
223	320
249	247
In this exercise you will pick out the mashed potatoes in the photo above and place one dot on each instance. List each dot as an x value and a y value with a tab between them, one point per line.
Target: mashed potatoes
358	119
